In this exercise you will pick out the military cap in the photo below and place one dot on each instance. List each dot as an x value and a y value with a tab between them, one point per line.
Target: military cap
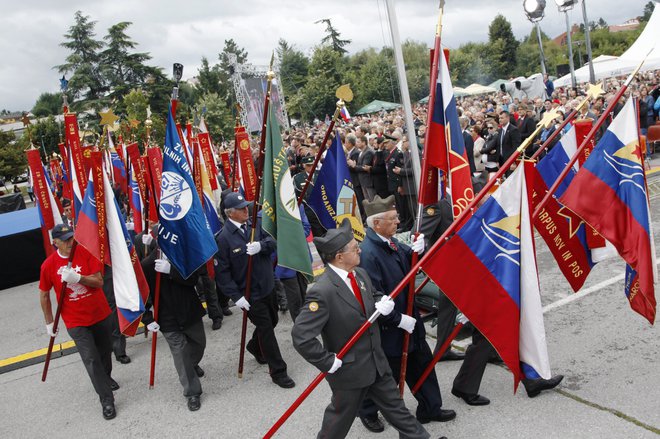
308	160
62	232
234	200
388	137
66	202
335	239
378	205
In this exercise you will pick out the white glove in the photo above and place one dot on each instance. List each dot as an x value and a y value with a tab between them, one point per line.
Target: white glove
70	276
418	245
147	238
385	305
253	248
49	331
336	365
460	318
407	323
243	304
162	266
153	327
130	225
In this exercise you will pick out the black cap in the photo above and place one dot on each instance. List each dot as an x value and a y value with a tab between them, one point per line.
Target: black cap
388	137
234	200
335	239
66	202
308	160
62	232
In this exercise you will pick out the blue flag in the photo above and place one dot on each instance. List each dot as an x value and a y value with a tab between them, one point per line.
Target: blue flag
184	234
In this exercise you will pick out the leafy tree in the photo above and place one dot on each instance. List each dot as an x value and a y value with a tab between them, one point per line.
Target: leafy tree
469	65
13	161
502	48
648	11
218	117
416	58
317	98
374	79
208	78
294	68
226	70
602	24
333	37
47	104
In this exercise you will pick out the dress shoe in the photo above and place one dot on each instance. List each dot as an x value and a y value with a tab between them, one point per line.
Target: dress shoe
443	416
217	324
114	385
373	424
535	386
226	311
474	399
123	359
284	381
452	355
194	403
260	359
108	410
199	371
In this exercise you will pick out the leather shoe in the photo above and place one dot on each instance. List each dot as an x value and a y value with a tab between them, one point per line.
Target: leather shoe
474	399
217	324
284	381
443	416
108	410
260	359
226	311
114	385
452	355
123	359
535	386
373	424
199	371
194	403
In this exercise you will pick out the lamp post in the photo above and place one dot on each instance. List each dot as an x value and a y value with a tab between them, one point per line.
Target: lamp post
587	39
534	11
564	6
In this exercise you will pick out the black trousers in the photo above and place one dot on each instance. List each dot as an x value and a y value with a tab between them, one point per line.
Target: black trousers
295	289
472	370
206	286
263	314
95	348
187	347
118	339
446	320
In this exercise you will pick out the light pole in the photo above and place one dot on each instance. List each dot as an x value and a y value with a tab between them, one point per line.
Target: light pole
534	11
587	39
564	6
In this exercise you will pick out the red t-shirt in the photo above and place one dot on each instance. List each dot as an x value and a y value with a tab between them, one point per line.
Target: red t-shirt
83	305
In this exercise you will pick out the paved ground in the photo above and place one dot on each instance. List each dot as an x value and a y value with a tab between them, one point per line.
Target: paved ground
609	355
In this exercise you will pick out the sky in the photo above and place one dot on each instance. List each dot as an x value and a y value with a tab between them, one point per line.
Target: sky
31	31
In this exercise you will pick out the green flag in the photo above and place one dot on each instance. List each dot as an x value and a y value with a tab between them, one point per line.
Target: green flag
280	213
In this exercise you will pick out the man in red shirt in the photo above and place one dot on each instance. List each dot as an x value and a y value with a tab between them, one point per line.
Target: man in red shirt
85	310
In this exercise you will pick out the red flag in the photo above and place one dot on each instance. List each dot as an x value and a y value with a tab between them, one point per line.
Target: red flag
248	174
226	167
211	170
41	189
155	157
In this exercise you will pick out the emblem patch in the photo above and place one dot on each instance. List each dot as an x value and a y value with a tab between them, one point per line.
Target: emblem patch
313	306
176	197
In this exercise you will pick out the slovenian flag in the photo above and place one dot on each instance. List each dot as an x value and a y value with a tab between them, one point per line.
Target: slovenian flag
345	114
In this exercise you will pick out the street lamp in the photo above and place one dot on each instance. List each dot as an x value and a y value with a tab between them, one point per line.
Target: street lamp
587	39
534	11
564	6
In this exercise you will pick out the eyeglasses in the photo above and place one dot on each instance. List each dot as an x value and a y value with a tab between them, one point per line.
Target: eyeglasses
490	127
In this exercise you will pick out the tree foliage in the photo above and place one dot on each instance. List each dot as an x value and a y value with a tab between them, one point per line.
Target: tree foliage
12	157
333	37
47	104
503	47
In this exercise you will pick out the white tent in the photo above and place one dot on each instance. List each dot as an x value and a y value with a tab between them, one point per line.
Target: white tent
609	66
478	89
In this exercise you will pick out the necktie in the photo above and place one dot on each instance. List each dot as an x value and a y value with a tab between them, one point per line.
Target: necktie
244	229
356	290
393	246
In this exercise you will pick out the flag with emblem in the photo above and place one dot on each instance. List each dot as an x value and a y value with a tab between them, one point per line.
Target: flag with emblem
609	192
184	234
280	214
501	294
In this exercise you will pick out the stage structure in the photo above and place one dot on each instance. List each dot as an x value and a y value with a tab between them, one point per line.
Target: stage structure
250	87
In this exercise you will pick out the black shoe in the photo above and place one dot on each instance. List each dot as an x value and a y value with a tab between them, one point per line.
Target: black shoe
260	359
199	371
217	324
226	311
108	410
373	424
194	403
283	307
534	387
114	385
284	381
495	359
123	359
444	416
474	399
452	355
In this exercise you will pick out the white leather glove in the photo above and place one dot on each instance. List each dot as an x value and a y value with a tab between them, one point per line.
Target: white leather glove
153	327
336	365
243	304
407	323
49	331
147	239
385	305
163	266
460	318
130	225
70	276
418	246
253	248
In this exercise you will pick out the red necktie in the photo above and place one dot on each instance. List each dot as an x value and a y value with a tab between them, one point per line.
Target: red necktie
393	246
356	290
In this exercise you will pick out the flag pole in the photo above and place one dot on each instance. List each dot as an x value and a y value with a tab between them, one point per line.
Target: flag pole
260	170
436	358
344	94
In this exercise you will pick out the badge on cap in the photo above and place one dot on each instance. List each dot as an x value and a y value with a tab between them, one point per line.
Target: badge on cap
313	306
430	211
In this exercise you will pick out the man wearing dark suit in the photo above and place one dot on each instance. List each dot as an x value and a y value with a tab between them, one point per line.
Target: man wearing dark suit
352	155
335	307
526	123
468	142
508	138
378	170
363	168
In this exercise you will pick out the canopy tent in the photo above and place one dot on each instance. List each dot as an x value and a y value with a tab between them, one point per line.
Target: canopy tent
458	92
478	89
609	66
496	84
375	106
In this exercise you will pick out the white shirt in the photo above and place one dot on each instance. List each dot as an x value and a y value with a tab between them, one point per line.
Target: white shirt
238	225
343	274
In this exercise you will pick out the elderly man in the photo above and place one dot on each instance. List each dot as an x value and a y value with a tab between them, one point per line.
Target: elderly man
335	308
388	261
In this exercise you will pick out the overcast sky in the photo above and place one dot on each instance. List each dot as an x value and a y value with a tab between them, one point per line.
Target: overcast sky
183	31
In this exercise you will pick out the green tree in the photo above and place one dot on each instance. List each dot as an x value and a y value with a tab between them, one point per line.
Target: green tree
218	117
208	78
226	70
47	104
294	67
374	79
326	74
333	37
502	48
648	11
13	161
469	64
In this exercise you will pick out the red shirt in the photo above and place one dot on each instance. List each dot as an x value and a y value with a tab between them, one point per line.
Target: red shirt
83	305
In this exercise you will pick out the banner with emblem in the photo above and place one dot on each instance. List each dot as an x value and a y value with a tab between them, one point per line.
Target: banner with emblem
76	160
184	234
247	172
41	189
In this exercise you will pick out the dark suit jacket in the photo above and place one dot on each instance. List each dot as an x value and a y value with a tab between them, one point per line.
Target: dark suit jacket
526	126
509	143
365	158
469	149
332	311
379	174
353	155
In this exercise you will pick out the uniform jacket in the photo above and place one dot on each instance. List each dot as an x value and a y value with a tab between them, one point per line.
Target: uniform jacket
393	159
407	175
386	268
332	311
232	261
379	173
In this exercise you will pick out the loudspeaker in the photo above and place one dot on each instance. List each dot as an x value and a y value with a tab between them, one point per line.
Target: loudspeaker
563	69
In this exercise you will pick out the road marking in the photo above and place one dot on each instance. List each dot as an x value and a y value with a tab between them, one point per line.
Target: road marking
581	294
